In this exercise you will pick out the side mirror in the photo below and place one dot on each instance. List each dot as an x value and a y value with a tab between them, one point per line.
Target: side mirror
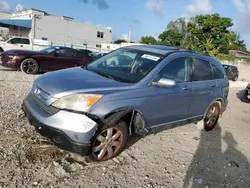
165	83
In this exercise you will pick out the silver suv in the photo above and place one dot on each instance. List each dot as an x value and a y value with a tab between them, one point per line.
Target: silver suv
139	89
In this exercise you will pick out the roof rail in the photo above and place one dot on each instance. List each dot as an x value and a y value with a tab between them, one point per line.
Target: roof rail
189	49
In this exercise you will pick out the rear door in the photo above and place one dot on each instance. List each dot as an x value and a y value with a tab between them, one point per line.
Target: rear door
64	58
204	86
84	57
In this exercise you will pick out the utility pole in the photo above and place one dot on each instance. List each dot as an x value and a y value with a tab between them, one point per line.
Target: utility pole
33	30
129	34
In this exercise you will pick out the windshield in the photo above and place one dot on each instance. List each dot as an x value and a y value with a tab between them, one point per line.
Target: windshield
48	50
125	65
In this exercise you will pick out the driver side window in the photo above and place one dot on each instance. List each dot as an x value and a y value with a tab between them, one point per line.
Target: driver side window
177	70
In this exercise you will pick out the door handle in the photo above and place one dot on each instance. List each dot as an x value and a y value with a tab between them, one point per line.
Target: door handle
185	88
212	85
21	45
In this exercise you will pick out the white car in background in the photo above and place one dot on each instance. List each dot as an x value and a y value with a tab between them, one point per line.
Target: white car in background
22	43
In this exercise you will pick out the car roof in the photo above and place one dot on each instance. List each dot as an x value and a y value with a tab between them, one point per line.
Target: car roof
159	49
63	47
229	65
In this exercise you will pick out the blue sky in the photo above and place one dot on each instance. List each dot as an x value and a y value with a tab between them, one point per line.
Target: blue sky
146	17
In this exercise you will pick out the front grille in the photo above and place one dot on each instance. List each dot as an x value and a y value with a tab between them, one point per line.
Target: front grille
37	93
50	109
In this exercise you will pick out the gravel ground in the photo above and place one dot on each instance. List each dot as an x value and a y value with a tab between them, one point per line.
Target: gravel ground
180	157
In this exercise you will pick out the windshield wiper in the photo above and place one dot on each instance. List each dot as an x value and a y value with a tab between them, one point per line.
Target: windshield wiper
102	74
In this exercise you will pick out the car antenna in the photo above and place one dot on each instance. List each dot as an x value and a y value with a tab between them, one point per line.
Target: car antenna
206	52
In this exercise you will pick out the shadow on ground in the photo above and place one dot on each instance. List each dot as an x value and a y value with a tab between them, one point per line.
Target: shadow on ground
241	95
218	163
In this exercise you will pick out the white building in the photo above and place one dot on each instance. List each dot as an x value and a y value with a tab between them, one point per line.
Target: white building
60	30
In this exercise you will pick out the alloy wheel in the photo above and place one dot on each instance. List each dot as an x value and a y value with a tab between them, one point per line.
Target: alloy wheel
107	144
29	67
212	116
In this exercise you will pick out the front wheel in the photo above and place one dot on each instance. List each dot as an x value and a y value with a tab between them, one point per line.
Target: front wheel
212	116
29	66
109	142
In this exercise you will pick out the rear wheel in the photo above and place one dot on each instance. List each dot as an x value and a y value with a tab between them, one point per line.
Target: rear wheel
235	78
109	142
29	66
212	117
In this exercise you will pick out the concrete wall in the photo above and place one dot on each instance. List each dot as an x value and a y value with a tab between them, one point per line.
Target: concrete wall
59	30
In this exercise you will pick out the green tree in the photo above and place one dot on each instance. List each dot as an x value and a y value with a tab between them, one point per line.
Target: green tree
148	40
175	34
180	26
171	37
213	33
119	41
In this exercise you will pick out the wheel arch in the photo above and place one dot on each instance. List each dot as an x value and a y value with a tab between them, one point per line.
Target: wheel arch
133	117
25	58
218	100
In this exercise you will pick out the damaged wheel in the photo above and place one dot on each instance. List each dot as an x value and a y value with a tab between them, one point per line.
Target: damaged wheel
212	117
109	142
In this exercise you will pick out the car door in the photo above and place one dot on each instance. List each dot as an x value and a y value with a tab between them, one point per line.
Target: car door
168	105
64	58
20	43
204	86
25	44
14	42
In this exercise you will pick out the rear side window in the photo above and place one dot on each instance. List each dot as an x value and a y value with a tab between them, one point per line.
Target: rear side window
217	73
201	70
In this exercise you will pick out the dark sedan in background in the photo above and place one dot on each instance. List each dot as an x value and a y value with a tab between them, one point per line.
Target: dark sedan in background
232	72
48	59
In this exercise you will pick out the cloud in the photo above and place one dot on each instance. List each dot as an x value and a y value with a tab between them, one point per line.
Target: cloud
156	7
199	7
19	8
4	6
242	21
101	4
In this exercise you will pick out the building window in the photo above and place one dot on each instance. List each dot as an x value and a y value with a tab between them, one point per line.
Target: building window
98	46
100	34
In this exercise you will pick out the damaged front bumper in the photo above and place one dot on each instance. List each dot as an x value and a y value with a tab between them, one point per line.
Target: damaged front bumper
69	131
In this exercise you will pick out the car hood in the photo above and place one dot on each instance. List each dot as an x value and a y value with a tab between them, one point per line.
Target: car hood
76	80
21	52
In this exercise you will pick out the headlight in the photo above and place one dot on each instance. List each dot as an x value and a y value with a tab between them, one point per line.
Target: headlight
77	102
13	57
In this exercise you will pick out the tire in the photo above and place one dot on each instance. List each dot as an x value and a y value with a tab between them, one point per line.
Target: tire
103	147
1	50
212	116
29	66
235	78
